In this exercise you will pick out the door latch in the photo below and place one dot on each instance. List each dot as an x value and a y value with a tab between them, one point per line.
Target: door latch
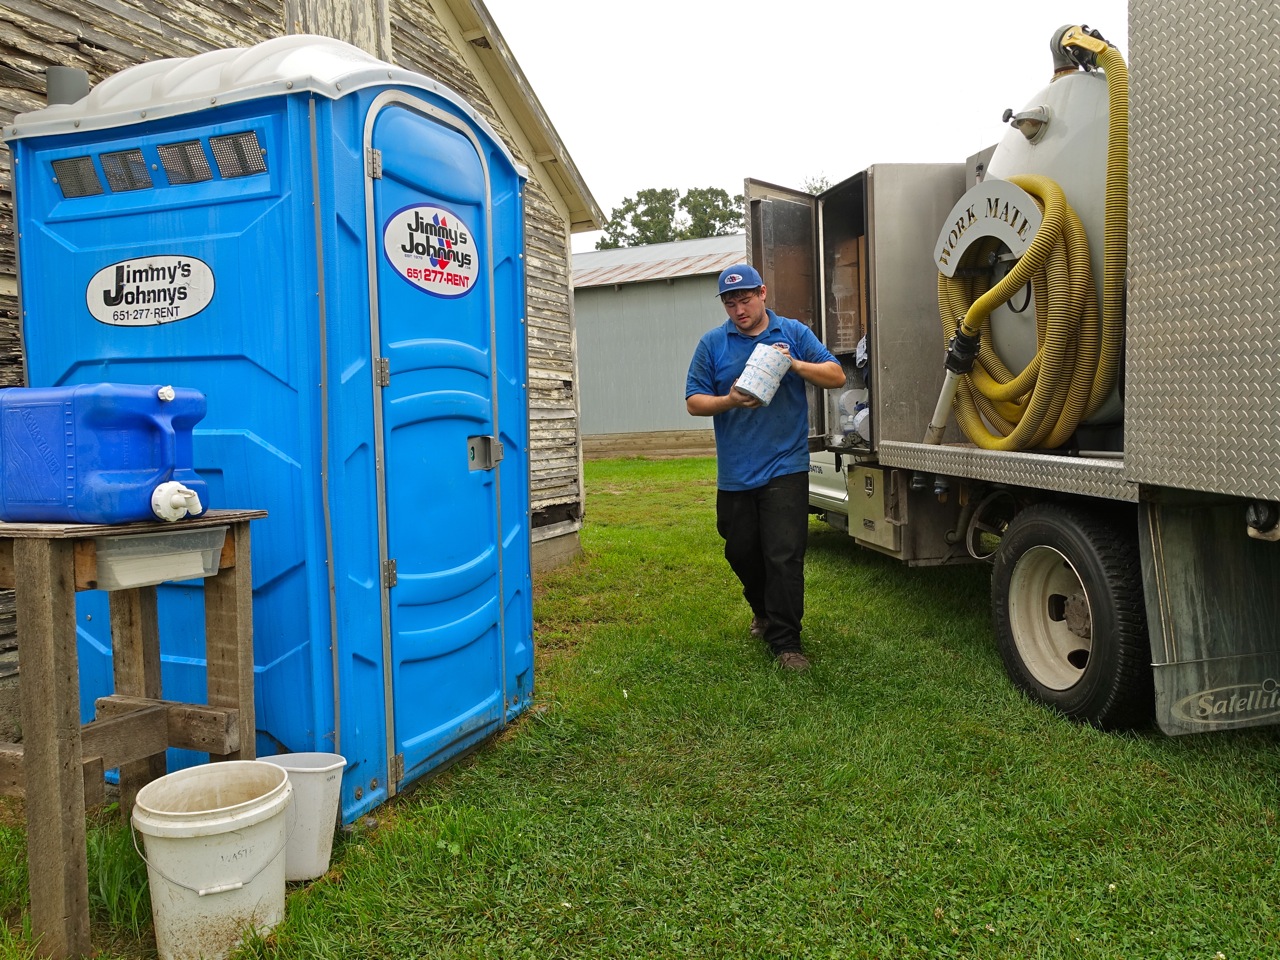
483	453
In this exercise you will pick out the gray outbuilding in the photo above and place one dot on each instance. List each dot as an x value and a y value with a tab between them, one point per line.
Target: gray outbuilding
639	313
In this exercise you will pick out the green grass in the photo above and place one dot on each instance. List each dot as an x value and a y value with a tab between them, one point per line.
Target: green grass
672	794
118	894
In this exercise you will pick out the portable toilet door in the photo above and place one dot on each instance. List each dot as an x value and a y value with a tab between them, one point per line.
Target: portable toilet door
433	313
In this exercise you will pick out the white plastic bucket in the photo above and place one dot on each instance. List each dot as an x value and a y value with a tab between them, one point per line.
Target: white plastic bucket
764	371
214	836
313	816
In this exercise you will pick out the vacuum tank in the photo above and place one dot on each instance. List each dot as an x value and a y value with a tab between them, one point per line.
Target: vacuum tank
1032	263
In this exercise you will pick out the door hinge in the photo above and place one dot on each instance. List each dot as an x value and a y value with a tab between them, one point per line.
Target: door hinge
382	370
396	772
483	453
375	164
388	573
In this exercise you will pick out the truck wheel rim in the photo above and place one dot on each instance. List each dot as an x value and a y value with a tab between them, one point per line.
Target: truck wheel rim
1050	617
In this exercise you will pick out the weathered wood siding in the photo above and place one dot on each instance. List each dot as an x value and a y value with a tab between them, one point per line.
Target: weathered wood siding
421	43
105	36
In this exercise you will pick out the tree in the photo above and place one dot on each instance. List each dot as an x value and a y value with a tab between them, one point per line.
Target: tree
711	212
663	215
816	185
649	218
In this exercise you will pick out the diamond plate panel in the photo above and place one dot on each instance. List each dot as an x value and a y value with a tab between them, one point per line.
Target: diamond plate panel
1087	476
1202	397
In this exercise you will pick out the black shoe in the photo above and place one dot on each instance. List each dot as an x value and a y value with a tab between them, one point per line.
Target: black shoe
793	660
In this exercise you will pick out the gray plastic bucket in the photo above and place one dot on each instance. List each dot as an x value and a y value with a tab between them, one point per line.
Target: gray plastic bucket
313	816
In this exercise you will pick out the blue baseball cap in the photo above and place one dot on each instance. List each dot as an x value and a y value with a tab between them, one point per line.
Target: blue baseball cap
741	276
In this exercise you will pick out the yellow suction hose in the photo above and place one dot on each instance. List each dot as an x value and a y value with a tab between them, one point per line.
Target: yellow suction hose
1077	358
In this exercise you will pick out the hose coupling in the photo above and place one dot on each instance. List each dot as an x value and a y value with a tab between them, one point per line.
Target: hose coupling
962	350
1083	45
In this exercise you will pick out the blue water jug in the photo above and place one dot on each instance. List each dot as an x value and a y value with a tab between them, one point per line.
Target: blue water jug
99	453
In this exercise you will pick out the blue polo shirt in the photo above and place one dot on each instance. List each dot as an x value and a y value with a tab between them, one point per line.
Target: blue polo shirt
755	445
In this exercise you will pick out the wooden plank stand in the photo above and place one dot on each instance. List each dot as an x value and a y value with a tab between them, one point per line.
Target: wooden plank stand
59	766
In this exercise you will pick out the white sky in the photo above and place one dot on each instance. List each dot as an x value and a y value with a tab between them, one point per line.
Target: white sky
702	93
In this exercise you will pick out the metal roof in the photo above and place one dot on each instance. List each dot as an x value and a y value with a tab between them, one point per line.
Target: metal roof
659	261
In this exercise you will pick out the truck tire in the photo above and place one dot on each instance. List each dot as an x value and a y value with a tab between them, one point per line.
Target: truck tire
1066	597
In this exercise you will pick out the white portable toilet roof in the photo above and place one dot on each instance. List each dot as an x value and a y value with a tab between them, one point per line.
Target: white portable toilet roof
282	65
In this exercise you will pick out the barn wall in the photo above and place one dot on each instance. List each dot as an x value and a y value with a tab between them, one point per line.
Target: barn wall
423	43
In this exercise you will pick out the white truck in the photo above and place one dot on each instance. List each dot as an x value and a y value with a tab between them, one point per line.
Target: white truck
1064	359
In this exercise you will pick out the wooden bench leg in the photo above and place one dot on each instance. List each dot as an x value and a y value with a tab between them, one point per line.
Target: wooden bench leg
135	660
44	575
228	630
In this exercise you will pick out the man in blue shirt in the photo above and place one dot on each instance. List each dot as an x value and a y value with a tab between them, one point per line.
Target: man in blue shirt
762	454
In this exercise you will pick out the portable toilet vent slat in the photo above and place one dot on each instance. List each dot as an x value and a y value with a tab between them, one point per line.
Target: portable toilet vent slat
330	249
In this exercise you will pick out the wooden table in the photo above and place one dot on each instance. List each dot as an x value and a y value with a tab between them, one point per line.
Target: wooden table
59	766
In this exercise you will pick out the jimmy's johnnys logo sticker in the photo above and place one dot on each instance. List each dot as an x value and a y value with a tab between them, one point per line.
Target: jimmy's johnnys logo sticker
432	249
150	290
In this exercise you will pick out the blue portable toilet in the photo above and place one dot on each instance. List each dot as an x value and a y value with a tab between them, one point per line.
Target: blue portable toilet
330	248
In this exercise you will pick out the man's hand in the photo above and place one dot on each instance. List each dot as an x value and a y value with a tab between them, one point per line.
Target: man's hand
740	398
704	405
828	375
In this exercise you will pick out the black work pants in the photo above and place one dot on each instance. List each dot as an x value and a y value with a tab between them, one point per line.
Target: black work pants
766	531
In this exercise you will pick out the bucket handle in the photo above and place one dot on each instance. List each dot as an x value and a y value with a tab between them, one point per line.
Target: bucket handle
220	888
